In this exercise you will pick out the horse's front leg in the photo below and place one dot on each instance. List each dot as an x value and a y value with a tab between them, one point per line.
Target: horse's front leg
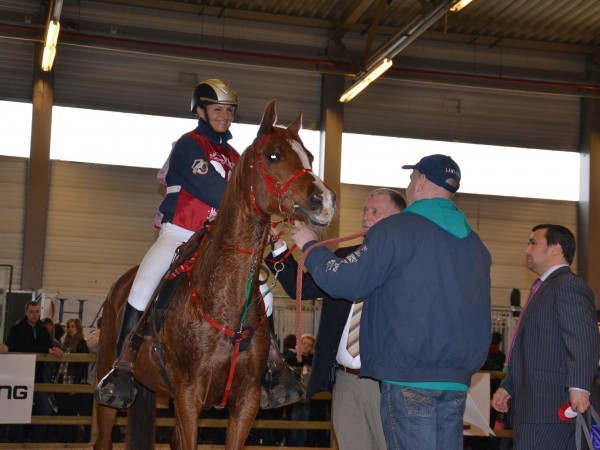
242	412
105	418
185	432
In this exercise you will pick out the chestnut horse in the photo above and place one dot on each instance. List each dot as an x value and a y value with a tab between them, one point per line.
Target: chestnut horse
273	176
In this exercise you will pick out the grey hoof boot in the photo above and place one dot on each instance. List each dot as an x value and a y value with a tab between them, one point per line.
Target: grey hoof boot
117	389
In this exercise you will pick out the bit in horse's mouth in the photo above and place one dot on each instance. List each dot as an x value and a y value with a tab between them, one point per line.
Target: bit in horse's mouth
318	223
311	217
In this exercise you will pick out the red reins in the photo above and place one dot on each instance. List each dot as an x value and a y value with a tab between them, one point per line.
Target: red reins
242	336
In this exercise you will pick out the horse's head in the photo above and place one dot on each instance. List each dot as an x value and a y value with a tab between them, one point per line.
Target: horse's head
283	181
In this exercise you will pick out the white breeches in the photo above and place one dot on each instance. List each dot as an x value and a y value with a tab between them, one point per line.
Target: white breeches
157	261
155	264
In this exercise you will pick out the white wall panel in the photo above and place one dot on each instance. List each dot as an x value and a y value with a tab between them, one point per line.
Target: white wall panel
13	173
100	223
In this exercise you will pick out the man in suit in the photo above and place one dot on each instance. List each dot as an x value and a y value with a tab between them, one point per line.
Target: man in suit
556	348
356	412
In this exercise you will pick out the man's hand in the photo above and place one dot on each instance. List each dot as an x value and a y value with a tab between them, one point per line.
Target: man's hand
580	400
301	234
500	400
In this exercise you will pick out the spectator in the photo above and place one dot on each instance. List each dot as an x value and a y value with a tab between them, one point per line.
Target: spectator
356	415
289	346
50	368
300	410
93	339
496	357
30	336
59	332
424	276
72	404
555	349
49	324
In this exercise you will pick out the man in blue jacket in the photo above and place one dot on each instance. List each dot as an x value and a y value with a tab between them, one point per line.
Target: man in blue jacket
355	401
426	320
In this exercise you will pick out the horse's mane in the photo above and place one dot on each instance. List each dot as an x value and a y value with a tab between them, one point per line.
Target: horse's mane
236	226
235	197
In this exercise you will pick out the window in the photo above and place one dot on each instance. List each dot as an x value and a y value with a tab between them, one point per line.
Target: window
105	137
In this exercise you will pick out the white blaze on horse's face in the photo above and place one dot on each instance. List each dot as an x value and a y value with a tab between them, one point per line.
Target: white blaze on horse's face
326	214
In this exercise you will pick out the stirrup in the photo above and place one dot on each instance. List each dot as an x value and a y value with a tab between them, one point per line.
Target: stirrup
117	389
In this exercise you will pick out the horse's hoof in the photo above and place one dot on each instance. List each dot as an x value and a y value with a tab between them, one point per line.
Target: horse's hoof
116	390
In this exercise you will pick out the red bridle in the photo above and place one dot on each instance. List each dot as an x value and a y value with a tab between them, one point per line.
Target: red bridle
273	185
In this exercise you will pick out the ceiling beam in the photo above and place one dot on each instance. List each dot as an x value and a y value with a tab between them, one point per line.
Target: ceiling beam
350	18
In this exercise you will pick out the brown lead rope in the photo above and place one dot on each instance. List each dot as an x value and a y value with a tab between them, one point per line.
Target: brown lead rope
299	283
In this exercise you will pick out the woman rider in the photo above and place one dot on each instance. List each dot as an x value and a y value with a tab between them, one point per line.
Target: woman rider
195	176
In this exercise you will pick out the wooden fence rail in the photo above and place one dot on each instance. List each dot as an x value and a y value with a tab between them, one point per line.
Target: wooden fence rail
278	424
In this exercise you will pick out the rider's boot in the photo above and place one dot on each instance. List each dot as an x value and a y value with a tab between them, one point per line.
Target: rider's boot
117	388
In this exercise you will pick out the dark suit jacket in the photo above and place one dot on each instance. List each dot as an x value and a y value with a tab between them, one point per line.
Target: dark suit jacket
334	314
21	339
557	347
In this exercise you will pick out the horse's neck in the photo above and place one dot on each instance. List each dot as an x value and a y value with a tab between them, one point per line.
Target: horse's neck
242	230
234	251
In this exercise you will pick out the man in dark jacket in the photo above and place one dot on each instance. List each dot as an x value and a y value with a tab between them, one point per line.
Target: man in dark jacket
555	348
356	416
29	335
426	322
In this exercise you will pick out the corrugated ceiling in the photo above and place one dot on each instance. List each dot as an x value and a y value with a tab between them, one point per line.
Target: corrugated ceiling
317	23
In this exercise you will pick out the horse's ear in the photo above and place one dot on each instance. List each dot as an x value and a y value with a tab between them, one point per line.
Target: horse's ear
269	118
296	124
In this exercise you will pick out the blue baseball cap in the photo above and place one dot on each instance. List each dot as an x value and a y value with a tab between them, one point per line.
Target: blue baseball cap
438	169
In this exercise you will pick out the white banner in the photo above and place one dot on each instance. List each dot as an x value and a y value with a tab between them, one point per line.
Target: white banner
17	379
477	410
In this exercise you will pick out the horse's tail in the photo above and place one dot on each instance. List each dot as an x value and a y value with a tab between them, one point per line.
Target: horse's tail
141	419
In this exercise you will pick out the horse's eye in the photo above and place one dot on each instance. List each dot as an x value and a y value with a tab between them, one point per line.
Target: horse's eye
274	156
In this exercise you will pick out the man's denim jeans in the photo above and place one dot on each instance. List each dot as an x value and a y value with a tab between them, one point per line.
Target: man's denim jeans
422	419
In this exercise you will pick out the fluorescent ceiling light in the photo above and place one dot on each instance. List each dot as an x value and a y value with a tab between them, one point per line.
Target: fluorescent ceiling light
50	45
367	79
460	5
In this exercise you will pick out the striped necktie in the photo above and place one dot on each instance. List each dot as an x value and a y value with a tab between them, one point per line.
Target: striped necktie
353	346
534	287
